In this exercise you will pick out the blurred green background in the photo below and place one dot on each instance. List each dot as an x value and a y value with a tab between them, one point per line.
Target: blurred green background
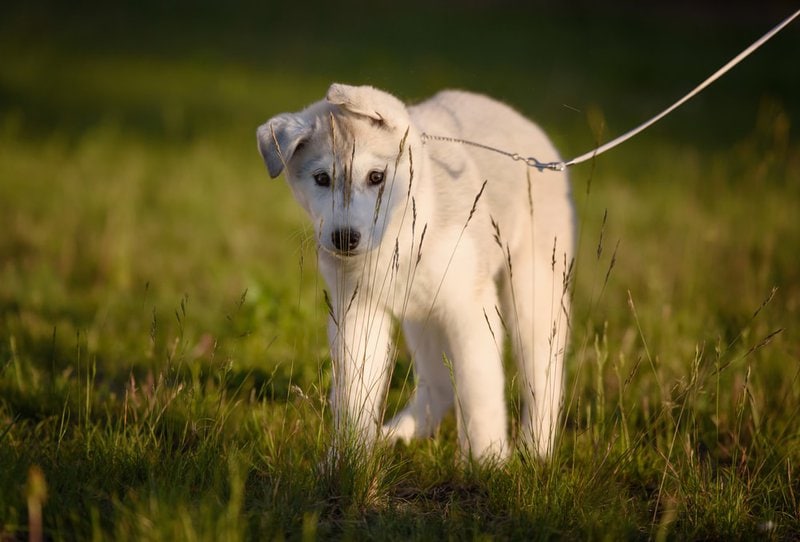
174	71
129	177
128	166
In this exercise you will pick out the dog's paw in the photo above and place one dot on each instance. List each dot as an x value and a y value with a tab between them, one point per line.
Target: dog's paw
402	427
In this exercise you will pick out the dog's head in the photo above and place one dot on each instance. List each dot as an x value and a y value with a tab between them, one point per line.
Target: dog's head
346	159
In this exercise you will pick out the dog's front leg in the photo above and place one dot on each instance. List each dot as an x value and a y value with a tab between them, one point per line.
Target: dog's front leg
479	381
361	351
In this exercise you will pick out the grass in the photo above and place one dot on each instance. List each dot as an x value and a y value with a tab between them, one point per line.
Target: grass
163	366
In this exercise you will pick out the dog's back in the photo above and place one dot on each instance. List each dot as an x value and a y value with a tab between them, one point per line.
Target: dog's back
476	118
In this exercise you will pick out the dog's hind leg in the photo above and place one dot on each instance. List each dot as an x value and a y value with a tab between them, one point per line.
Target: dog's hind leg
433	395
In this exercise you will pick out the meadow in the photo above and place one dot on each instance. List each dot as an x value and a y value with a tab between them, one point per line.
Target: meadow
163	360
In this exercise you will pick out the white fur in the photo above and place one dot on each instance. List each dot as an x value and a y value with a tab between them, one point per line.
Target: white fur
444	293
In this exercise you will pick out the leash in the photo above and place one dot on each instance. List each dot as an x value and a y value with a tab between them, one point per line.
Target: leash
532	162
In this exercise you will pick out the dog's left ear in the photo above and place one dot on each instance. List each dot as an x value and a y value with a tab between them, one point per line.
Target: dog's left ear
279	138
380	106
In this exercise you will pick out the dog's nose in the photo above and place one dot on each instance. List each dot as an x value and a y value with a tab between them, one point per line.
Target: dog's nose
345	239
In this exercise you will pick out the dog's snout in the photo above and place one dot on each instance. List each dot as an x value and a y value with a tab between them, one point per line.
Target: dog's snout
345	239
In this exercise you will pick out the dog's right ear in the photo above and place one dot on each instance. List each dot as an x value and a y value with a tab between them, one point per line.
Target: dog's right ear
279	138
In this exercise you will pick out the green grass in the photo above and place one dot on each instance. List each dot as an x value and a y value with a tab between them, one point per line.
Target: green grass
163	366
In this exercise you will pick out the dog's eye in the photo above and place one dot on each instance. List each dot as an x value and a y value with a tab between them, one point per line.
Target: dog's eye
375	177
322	179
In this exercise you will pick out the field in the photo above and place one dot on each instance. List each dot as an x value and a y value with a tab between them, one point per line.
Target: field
163	362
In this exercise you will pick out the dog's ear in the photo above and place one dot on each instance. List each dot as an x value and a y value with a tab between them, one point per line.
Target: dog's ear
380	106
279	138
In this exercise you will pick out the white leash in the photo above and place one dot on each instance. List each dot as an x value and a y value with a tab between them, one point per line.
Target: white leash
560	166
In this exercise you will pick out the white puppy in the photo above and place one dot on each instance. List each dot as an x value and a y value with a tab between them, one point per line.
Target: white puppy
424	232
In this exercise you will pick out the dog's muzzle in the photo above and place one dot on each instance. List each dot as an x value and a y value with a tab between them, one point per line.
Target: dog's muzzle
345	240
